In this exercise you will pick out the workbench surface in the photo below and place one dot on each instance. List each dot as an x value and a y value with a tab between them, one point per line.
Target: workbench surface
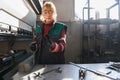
69	72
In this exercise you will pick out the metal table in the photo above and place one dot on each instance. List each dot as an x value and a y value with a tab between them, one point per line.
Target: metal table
69	72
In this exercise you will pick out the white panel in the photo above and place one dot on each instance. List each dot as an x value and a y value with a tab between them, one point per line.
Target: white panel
8	19
19	9
25	26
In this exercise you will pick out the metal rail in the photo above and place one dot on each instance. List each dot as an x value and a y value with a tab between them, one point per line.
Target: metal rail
97	73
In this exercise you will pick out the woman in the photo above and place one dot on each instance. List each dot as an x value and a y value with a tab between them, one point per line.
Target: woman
50	37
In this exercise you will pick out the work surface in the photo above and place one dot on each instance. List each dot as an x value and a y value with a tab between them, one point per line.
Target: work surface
69	72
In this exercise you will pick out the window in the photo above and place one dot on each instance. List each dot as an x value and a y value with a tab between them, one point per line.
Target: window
98	5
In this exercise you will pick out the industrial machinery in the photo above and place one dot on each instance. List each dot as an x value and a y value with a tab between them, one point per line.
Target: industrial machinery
100	36
16	32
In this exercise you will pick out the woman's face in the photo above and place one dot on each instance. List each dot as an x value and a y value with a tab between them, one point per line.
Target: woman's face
48	16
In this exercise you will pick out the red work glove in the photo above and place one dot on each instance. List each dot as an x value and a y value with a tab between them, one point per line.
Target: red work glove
53	47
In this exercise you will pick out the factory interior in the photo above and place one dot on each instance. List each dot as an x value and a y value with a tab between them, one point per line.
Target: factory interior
93	37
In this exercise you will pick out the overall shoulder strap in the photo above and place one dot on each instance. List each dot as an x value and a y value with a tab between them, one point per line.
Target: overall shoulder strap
61	25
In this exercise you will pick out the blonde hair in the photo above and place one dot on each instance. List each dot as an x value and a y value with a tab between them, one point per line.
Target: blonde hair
49	6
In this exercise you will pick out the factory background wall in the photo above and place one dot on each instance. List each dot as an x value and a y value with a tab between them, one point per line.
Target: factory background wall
73	48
